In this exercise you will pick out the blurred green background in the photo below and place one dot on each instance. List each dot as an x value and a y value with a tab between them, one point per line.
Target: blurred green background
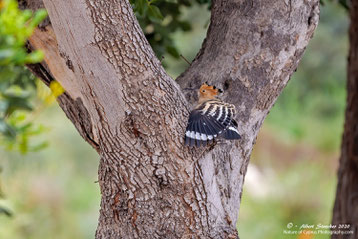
53	193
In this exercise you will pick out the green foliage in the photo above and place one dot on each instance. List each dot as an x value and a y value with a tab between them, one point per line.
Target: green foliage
160	19
15	27
17	85
53	189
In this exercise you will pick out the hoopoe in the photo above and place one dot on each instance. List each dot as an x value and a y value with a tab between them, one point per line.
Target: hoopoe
211	118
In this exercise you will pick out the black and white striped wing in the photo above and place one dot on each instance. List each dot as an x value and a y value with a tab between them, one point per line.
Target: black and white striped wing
231	132
208	121
201	128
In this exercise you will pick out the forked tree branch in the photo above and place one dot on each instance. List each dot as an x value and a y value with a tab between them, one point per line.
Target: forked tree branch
152	186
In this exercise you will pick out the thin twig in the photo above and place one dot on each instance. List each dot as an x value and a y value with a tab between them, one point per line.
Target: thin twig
184	59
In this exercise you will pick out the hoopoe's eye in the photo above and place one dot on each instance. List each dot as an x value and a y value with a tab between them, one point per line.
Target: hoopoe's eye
203	91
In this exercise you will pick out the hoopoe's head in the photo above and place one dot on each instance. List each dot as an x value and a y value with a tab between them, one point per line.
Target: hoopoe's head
208	92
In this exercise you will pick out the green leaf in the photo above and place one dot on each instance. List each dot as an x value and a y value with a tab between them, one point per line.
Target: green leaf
17	103
173	51
7	130
185	25
39	16
154	14
141	6
5	211
38	147
25	127
23	145
35	56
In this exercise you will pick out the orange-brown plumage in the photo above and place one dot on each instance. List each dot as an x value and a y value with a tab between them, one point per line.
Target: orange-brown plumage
207	92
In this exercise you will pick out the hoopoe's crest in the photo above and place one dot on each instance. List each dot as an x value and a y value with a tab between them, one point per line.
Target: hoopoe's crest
211	118
208	92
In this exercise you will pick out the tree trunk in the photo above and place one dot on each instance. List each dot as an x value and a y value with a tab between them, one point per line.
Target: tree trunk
345	213
125	105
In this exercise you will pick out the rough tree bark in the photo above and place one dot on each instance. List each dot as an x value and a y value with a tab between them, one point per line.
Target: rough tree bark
124	104
346	205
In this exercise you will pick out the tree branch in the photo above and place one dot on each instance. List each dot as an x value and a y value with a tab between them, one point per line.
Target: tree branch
251	50
136	114
345	212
